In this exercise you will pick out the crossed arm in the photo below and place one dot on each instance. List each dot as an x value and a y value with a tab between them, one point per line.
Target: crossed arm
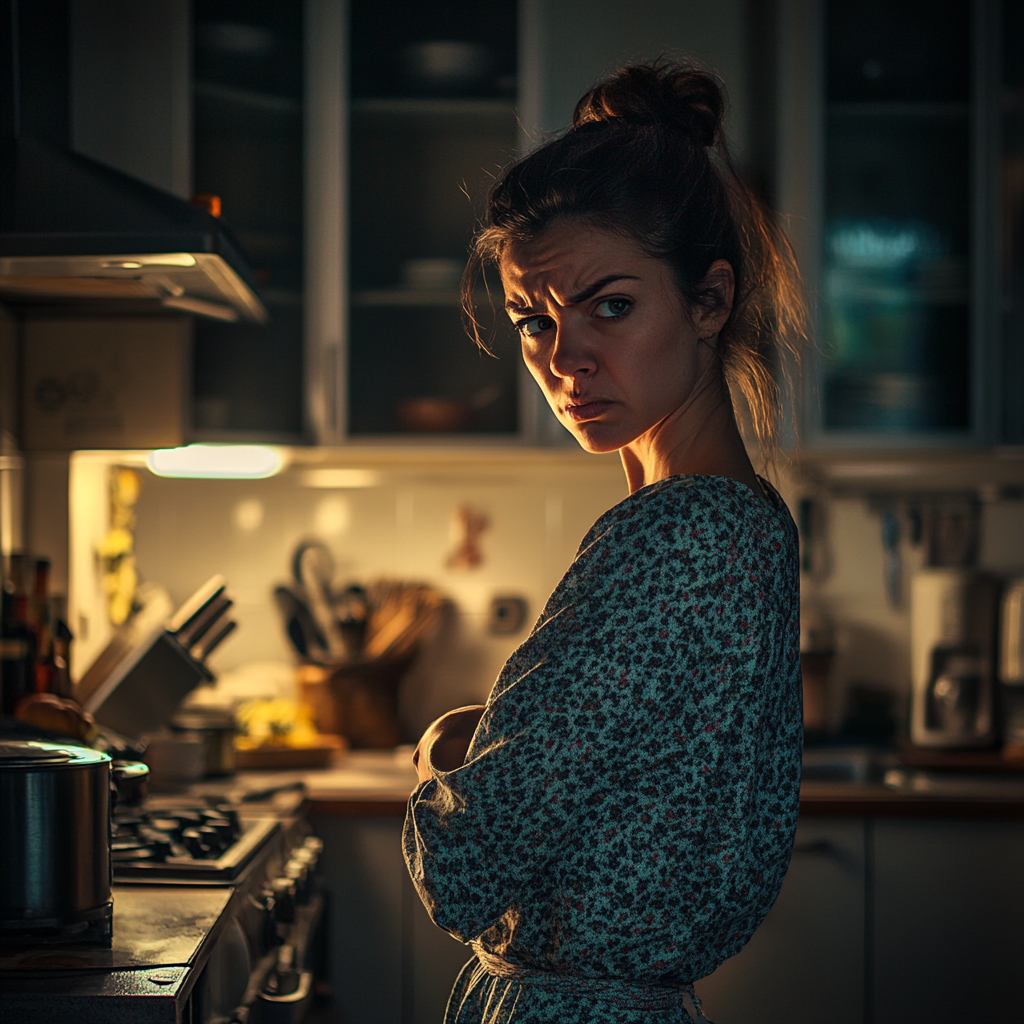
445	743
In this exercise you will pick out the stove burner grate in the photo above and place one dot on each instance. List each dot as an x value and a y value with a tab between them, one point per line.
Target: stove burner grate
186	843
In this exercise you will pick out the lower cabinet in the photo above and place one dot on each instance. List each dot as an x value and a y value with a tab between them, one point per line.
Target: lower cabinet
948	936
879	922
389	963
805	964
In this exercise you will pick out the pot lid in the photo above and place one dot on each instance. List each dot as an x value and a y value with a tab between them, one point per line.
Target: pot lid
37	754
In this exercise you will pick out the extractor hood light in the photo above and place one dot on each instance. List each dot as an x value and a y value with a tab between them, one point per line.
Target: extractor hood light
216	461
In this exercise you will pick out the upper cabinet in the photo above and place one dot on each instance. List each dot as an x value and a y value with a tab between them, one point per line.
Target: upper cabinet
432	120
889	155
247	147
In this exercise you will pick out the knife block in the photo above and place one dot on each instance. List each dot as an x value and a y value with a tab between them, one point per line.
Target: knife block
142	691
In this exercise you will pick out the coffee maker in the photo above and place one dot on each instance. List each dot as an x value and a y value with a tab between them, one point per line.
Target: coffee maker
953	614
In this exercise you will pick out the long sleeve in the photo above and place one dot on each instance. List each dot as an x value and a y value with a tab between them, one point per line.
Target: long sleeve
630	790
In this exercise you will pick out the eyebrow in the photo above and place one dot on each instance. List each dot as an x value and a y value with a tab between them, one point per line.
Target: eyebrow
588	293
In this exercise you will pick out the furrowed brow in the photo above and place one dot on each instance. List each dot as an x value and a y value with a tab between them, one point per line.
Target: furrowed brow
591	290
588	293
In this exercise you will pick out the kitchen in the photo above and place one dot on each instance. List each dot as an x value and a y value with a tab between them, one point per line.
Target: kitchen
907	867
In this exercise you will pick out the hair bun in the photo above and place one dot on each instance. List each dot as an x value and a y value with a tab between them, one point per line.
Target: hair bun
663	93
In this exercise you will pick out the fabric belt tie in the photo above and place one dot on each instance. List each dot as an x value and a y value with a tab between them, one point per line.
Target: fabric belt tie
623	993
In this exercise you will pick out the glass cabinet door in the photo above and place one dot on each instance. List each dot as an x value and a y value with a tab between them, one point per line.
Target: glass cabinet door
895	328
247	146
432	121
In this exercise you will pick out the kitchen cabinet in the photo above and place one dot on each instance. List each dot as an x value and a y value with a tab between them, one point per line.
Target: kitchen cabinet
882	919
432	119
889	150
948	935
247	145
805	964
390	964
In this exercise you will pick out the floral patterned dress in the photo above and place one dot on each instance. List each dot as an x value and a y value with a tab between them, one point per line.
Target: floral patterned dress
625	815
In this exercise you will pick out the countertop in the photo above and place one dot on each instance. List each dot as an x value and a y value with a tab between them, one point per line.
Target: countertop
371	783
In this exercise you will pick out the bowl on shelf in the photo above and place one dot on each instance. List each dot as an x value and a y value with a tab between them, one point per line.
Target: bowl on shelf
446	65
433	273
434	415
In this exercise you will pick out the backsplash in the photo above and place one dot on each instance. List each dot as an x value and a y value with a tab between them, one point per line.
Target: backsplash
403	525
396	513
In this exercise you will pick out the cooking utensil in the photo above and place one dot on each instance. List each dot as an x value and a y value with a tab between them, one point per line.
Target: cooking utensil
313	570
55	834
352	611
300	626
217	727
175	759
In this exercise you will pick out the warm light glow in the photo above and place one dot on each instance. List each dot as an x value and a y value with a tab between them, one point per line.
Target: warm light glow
216	461
341	478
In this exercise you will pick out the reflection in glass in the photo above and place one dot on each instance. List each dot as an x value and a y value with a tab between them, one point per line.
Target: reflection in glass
897	228
892	291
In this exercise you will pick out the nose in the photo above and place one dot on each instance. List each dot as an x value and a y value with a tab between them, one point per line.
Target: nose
571	356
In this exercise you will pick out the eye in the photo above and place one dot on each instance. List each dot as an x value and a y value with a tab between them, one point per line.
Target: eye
534	325
609	309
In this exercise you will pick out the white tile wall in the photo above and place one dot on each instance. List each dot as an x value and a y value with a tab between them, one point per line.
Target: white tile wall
540	505
247	530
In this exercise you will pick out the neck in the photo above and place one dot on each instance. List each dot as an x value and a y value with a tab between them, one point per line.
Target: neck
700	438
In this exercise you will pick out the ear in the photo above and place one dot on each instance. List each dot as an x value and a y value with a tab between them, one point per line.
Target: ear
719	285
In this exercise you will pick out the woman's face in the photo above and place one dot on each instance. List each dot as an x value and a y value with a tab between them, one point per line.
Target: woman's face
605	332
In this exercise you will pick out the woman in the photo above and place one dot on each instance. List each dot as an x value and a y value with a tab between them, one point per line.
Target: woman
618	819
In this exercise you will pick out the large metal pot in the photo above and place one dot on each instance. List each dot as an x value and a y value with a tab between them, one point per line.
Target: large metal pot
55	871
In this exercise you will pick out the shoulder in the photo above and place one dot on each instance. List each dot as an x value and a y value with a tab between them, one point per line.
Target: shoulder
696	513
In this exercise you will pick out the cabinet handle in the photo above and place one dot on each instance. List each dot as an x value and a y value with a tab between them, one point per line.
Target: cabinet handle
821	847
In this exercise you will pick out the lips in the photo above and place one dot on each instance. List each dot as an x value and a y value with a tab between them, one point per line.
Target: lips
589	410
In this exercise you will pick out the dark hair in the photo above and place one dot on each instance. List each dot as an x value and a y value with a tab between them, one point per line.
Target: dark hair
646	157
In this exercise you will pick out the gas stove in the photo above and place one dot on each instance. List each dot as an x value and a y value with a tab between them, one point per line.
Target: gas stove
215	908
186	844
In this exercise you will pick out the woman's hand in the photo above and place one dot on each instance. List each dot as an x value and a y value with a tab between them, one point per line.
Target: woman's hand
445	743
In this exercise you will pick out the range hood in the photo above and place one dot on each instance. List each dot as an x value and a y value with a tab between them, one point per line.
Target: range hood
76	232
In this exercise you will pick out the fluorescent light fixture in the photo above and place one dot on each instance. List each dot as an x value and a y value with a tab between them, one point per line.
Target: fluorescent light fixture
337	479
216	461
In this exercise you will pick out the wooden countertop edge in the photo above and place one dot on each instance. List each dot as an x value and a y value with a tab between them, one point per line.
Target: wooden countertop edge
871	802
330	807
858	803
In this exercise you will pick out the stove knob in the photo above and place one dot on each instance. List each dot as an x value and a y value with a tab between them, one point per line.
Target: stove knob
224	829
268	931
284	900
211	840
229	812
296	871
193	842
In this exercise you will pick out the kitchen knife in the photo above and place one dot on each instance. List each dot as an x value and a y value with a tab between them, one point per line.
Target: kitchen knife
203	620
185	615
202	650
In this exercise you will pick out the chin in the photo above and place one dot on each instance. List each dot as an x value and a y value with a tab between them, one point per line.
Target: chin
592	438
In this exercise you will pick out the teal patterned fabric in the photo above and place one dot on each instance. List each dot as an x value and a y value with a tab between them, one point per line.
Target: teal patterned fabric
626	812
